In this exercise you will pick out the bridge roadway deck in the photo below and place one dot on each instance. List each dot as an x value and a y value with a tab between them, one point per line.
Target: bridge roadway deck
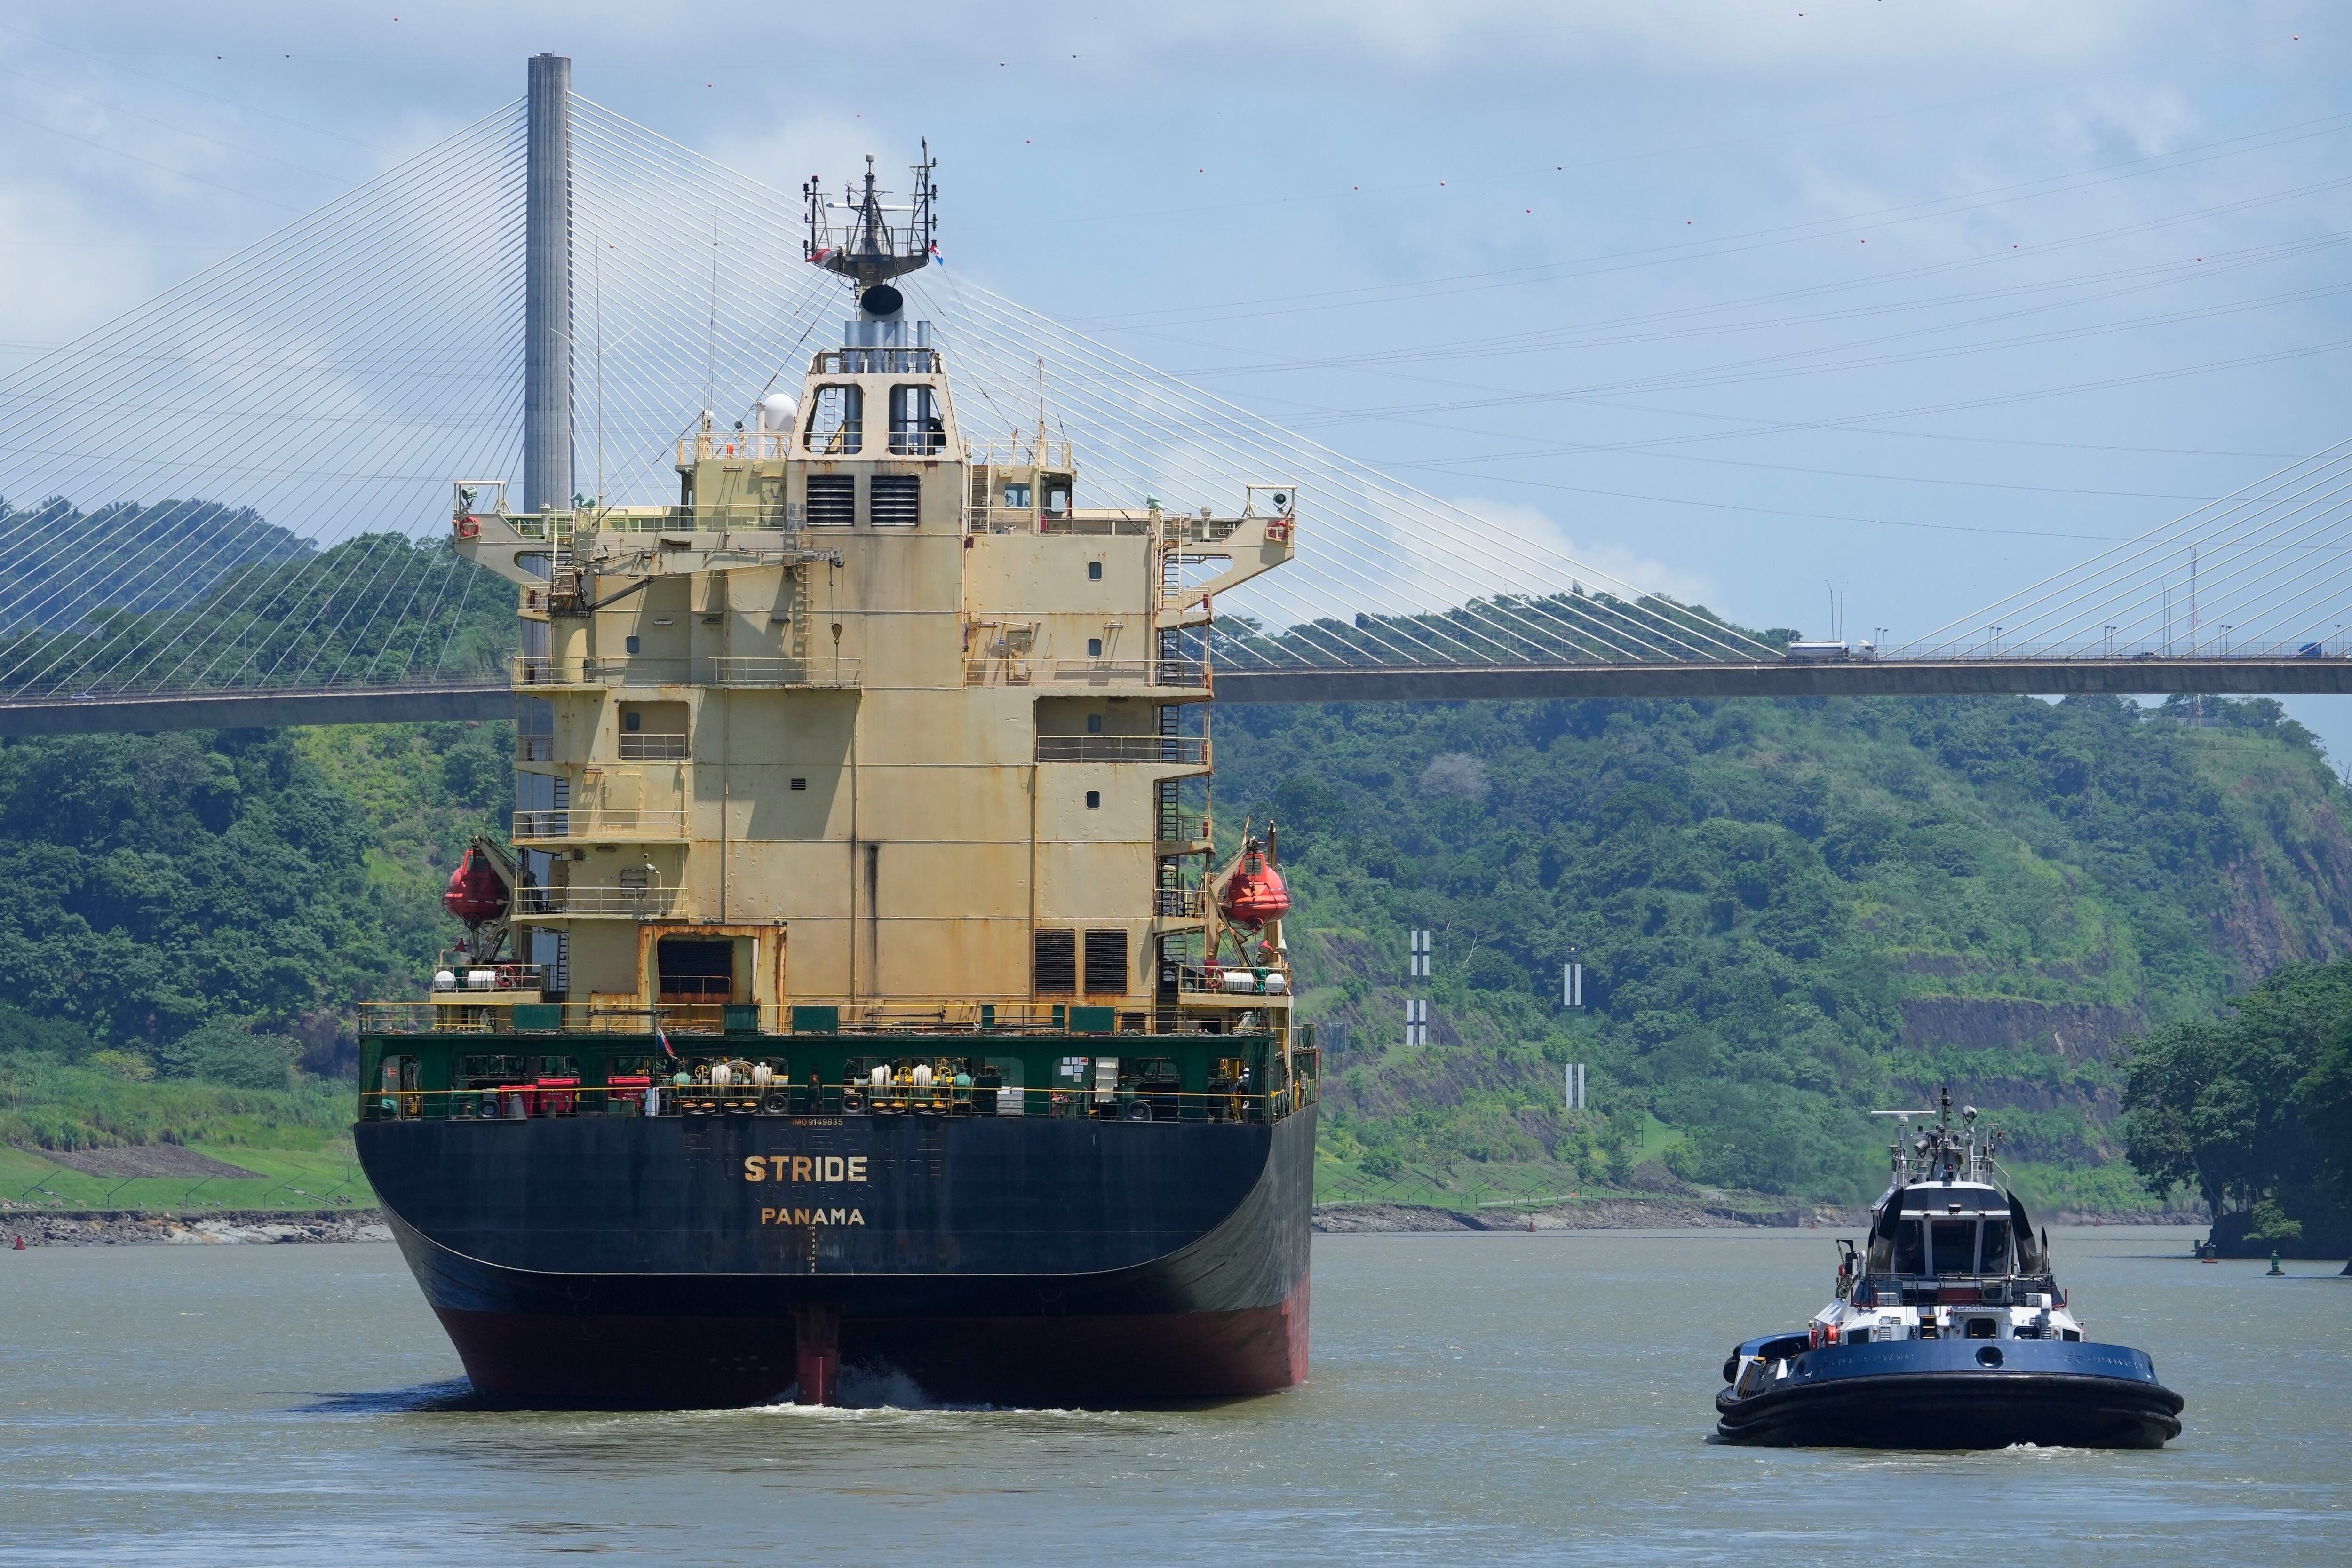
1518	683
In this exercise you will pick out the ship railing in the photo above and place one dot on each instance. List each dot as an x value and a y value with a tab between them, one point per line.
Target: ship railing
451	1017
980	518
643	748
757	445
534	748
878	361
1050	454
467	978
610	826
1190	528
819	674
733	518
824	672
599	670
1181	750
1232	980
1094	524
1178	903
660	1094
1171	834
1187	673
754	1021
595	900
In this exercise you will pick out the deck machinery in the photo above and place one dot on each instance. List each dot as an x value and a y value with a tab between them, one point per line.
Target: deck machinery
860	987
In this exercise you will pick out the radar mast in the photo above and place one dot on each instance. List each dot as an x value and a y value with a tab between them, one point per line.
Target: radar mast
863	237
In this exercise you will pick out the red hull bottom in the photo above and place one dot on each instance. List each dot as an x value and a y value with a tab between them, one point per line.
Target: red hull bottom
684	1363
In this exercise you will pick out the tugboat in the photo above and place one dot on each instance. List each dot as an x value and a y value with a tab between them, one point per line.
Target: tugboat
1948	1330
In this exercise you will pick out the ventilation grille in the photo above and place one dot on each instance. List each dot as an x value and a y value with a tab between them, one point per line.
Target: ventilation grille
897	500
831	500
1106	963
1057	963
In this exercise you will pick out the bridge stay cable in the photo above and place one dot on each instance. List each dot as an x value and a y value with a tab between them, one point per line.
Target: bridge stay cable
323	386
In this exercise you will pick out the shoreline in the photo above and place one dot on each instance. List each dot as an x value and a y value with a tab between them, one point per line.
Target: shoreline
219	1227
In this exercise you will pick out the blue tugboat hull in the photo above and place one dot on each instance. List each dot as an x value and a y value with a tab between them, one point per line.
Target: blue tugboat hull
1958	1393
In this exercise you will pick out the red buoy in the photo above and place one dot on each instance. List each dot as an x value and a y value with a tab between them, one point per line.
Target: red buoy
474	894
1255	893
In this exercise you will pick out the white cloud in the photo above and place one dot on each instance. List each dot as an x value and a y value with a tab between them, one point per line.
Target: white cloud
1531	537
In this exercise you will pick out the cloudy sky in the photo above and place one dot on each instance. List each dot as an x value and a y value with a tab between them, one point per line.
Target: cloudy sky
1914	301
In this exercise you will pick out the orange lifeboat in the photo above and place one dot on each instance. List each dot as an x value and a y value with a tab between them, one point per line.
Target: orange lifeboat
1254	894
475	895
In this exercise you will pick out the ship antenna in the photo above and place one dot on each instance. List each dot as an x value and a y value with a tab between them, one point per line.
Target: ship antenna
867	250
596	238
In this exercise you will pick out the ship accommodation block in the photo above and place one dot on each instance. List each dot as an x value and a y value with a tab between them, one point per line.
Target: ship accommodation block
873	719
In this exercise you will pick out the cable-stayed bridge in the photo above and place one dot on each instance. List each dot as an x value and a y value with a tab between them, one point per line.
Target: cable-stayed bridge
230	506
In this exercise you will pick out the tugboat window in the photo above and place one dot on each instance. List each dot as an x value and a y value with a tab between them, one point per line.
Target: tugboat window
1956	1247
1910	1248
1996	1247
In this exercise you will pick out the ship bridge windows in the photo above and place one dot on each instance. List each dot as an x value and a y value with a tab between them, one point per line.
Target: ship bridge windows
916	428
1056	489
1017	496
837	422
1955	1244
1995	1258
1910	1247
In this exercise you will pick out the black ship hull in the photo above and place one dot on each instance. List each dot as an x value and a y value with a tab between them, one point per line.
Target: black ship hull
636	1260
1958	1393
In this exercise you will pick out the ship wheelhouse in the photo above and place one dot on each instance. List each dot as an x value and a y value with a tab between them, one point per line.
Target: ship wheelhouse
1951	1254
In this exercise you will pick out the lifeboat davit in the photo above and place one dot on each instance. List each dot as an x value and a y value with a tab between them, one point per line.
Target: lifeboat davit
1254	895
474	894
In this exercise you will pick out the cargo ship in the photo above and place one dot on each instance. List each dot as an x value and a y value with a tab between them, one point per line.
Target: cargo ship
859	985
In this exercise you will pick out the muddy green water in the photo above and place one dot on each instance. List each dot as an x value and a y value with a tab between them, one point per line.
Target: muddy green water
1476	1398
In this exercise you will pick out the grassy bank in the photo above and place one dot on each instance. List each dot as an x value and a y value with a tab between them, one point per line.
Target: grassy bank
281	1178
85	1136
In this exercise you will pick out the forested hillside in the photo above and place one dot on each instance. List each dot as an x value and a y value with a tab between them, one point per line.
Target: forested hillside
1790	913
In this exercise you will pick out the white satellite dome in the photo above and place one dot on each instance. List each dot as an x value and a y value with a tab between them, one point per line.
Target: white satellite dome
777	410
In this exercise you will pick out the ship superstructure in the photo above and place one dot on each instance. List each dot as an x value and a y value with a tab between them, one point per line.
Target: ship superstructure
862	824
